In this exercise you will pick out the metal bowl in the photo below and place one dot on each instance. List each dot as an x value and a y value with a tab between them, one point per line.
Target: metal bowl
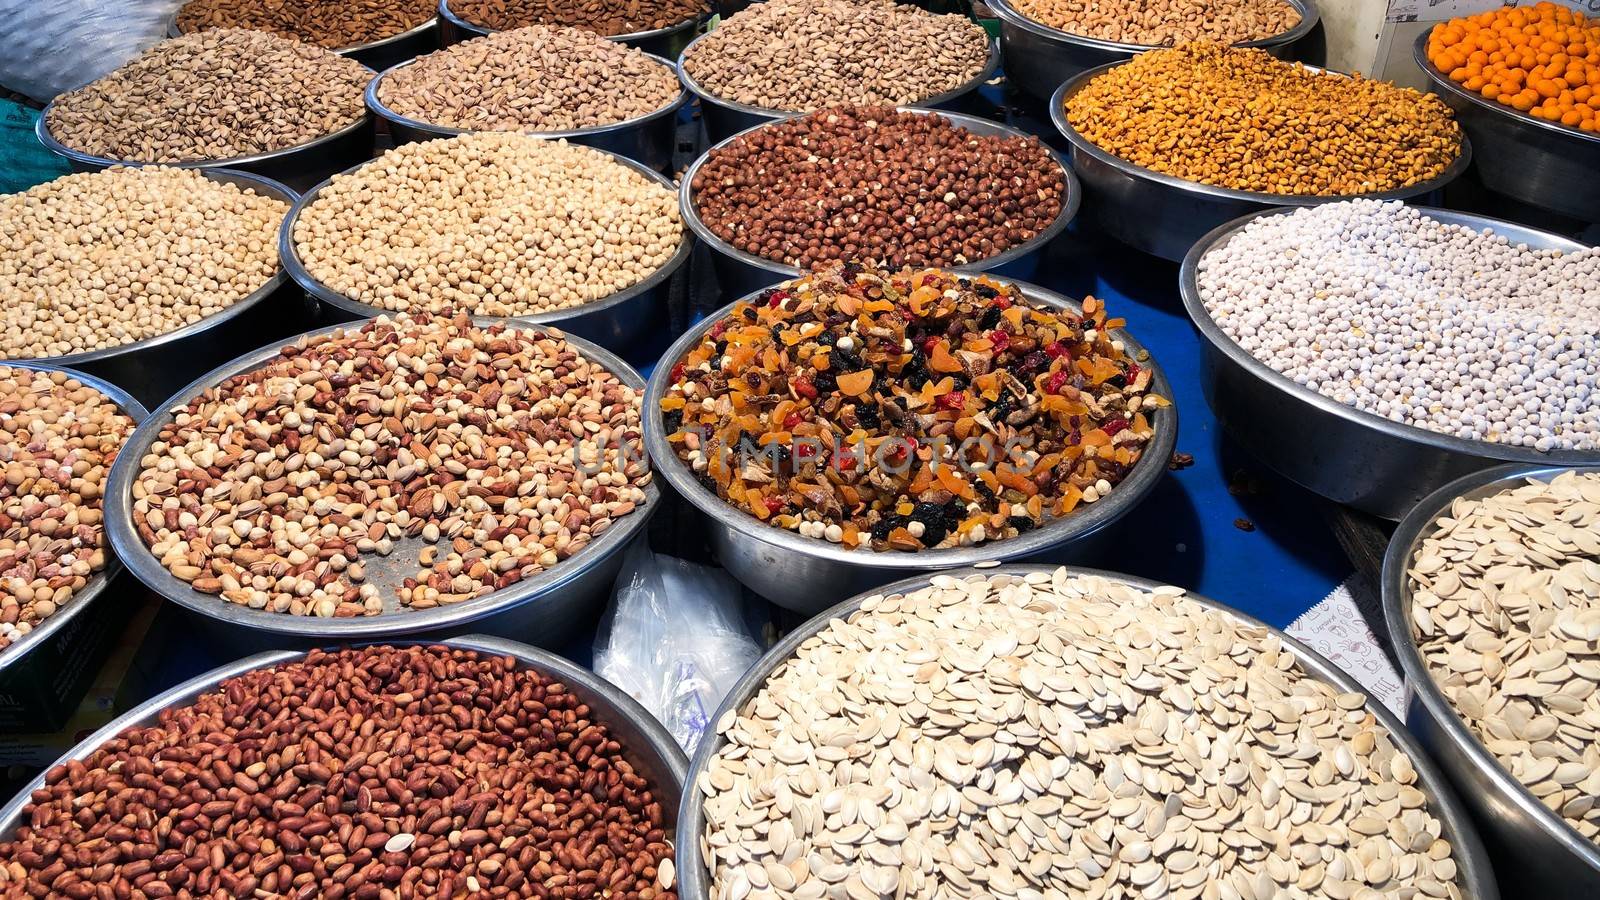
153	368
739	272
728	118
650	139
810	574
379	54
299	167
627	317
694	883
649	748
1039	58
1550	858
1540	163
667	42
1164	215
1350	456
546	608
97	582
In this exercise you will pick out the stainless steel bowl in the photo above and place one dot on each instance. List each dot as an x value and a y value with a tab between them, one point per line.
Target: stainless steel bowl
545	609
727	118
648	746
21	647
694	882
627	317
650	139
810	574
1039	58
1543	164
739	272
379	54
1164	215
1347	455
153	368
1544	855
298	167
667	42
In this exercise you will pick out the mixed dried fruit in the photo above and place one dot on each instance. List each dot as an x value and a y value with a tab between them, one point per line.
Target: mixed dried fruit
909	410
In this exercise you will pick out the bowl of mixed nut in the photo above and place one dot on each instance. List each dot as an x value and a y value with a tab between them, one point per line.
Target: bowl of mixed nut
405	475
63	430
857	425
1491	594
412	756
1030	731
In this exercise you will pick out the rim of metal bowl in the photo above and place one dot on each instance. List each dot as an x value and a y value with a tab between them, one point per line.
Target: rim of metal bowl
990	66
262	185
173	31
587	684
137	558
41	129
1003	10
1071	197
290	258
1442	84
445	12
382	111
133	409
1189	290
694	880
1081	144
1396	591
1087	519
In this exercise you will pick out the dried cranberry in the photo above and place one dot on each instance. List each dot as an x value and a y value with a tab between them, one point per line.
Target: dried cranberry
1058	379
719	329
773	505
777	297
677	373
952	400
1056	349
1115	425
805	388
1000	339
791	420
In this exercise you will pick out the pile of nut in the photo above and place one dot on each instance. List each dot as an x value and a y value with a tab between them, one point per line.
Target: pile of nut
493	223
1505	610
58	438
536	78
1060	735
1167	22
878	186
803	55
1429	324
1236	117
504	449
378	772
334	24
103	259
607	17
215	94
909	410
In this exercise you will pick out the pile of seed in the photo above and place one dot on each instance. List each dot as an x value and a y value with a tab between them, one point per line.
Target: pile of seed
334	24
536	78
909	410
606	17
493	223
378	772
503	449
103	259
1506	614
215	94
1166	23
803	55
58	438
878	186
1439	326
1060	736
1237	118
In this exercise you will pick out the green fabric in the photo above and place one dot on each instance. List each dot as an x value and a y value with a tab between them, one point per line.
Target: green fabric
24	162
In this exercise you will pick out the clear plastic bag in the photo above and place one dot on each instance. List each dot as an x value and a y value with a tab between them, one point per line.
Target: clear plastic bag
59	45
675	639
